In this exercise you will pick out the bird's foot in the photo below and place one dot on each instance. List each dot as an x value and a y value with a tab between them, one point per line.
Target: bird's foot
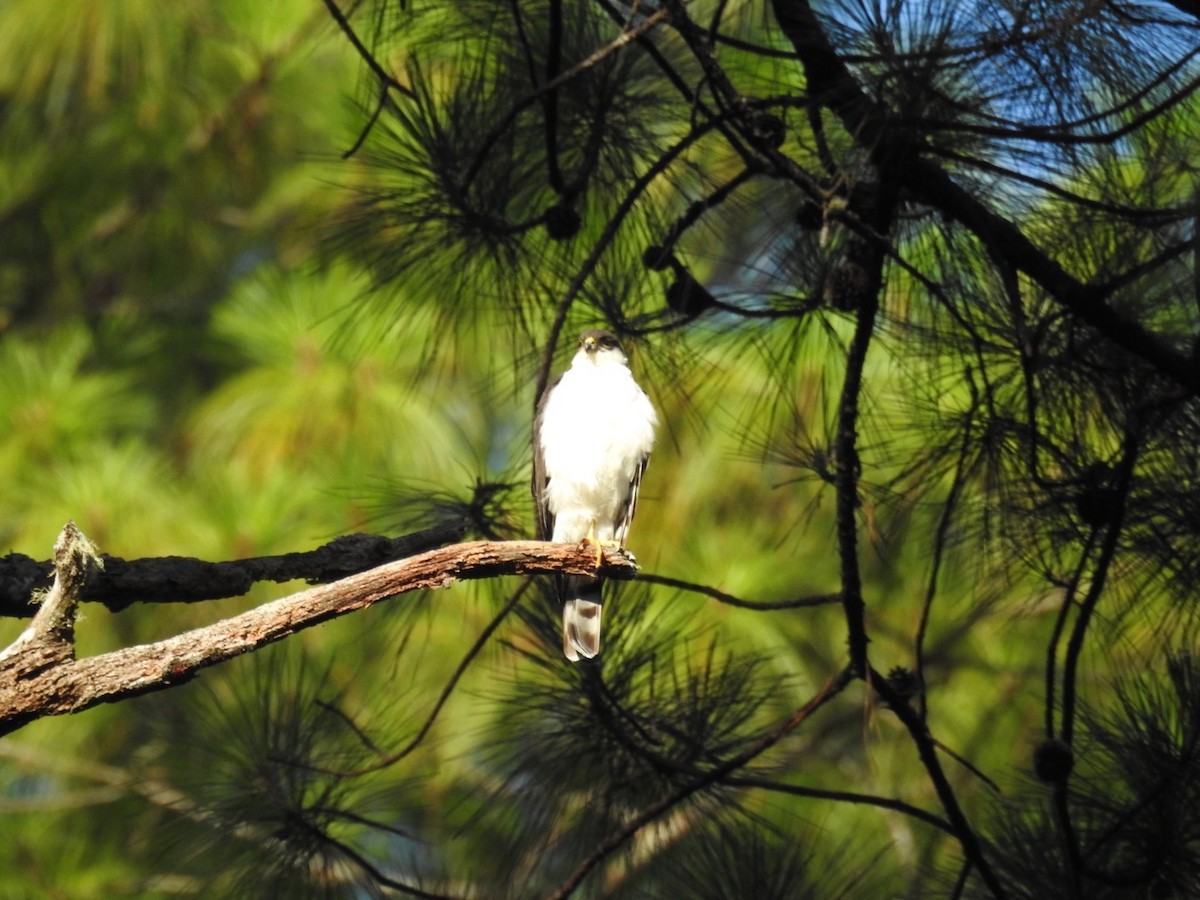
592	541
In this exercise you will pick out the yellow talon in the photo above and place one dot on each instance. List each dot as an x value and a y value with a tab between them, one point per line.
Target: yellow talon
590	539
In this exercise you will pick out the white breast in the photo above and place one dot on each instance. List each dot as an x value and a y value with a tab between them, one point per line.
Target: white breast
597	429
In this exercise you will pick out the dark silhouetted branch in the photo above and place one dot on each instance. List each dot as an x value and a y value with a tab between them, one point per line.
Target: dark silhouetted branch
927	749
730	600
831	83
891	803
835	686
178	579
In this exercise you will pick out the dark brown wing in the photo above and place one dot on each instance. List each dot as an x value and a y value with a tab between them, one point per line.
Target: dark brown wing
626	515
545	518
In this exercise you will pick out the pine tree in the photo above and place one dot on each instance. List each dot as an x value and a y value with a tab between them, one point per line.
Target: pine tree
914	288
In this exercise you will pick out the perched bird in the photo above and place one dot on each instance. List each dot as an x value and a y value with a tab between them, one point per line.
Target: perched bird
591	439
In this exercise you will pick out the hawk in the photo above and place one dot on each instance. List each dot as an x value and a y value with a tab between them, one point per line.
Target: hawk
591	440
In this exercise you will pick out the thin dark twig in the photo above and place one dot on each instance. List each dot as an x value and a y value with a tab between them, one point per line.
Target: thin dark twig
698	208
966	764
927	750
447	689
960	883
383	880
1072	132
730	600
817	126
387	81
842	797
733	103
1069	838
385	77
606	237
613	46
1196	254
1155	216
846	474
1147	267
1087	607
349	815
369	126
713	776
1099	576
714	27
699	107
939	549
523	37
802	307
1060	624
550	98
358	731
176	579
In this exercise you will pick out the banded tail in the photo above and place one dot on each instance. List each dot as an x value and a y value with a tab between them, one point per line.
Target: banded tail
581	617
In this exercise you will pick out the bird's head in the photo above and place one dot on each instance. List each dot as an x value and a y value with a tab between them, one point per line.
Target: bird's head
598	347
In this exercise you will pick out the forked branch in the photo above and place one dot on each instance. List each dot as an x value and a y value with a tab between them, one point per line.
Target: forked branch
40	676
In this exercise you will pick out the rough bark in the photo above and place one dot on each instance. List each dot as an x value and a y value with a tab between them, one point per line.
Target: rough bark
40	676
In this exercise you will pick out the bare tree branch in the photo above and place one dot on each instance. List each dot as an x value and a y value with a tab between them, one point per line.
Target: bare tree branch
42	677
